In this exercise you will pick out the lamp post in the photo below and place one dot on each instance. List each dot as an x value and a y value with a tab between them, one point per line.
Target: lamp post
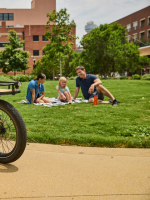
34	66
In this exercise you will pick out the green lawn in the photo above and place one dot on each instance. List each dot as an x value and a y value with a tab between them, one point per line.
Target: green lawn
127	125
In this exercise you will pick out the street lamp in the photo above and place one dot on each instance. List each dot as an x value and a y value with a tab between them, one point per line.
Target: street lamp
34	59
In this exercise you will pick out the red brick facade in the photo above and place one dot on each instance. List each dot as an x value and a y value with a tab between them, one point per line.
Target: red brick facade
137	24
26	33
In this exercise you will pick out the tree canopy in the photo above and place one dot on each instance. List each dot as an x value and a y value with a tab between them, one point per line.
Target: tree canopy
61	35
106	50
13	58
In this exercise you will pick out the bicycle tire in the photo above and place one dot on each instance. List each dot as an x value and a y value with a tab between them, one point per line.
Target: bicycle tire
13	135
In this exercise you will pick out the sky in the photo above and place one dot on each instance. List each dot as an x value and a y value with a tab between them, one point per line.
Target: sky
83	11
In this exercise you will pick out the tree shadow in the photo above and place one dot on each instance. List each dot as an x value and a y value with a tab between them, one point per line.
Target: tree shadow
8	168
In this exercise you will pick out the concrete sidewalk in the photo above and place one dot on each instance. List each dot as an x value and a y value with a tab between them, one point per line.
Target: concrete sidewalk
77	173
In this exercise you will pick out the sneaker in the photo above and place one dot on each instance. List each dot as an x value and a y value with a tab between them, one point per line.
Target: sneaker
115	103
111	101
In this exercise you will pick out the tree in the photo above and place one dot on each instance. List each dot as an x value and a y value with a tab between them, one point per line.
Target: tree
49	62
60	34
142	43
13	58
107	50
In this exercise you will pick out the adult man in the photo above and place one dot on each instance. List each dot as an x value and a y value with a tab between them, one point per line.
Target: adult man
90	86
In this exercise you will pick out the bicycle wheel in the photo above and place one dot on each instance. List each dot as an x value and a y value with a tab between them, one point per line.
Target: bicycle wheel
13	134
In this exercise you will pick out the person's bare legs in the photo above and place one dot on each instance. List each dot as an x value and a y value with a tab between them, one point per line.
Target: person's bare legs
102	90
68	97
43	100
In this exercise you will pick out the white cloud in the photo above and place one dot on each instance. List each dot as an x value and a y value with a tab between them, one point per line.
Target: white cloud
82	11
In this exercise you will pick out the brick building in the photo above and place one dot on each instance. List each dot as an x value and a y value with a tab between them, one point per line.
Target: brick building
137	24
138	28
30	27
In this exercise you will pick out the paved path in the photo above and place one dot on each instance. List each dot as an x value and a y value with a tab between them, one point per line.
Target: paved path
77	173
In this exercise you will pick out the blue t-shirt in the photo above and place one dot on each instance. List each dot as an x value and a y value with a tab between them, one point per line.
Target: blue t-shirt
38	90
62	89
85	84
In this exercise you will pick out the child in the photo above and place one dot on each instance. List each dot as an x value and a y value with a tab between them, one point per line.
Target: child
63	90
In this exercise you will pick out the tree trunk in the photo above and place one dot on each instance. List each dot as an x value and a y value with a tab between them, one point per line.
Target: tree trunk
60	64
53	73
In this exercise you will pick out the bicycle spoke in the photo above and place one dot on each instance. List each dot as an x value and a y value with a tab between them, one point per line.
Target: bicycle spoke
7	125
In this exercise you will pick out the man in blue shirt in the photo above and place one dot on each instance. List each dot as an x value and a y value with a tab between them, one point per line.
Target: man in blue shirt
90	86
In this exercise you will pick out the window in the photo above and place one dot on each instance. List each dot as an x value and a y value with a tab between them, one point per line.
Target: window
134	37
128	38
142	23
18	36
6	16
2	44
128	27
35	38
44	38
148	35
148	20
135	25
35	52
9	26
142	35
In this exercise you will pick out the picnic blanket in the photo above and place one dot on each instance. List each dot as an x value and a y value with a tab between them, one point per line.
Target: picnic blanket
56	102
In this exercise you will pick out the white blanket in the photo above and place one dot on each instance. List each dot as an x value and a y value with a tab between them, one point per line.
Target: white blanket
56	102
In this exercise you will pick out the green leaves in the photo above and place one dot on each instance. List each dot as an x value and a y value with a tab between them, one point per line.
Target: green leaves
13	58
107	50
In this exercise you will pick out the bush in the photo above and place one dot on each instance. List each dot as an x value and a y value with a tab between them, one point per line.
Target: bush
23	78
123	77
73	78
146	77
5	78
136	77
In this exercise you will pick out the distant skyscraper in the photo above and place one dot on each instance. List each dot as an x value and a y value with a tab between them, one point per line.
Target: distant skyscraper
90	26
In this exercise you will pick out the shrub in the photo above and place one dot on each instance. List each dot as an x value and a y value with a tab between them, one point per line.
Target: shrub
5	78
23	78
123	77
136	77
146	77
73	78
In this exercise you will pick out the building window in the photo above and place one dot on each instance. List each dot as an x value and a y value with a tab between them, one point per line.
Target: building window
148	20
6	16
128	38
135	25
128	27
18	36
148	35
9	26
142	23
134	37
35	38
44	38
35	52
2	44
142	35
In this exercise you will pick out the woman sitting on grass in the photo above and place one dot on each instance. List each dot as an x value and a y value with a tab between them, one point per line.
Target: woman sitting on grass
36	90
63	90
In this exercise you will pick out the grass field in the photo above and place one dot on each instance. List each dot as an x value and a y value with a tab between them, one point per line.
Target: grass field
127	125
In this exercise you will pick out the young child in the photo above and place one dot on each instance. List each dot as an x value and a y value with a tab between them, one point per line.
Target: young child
63	90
